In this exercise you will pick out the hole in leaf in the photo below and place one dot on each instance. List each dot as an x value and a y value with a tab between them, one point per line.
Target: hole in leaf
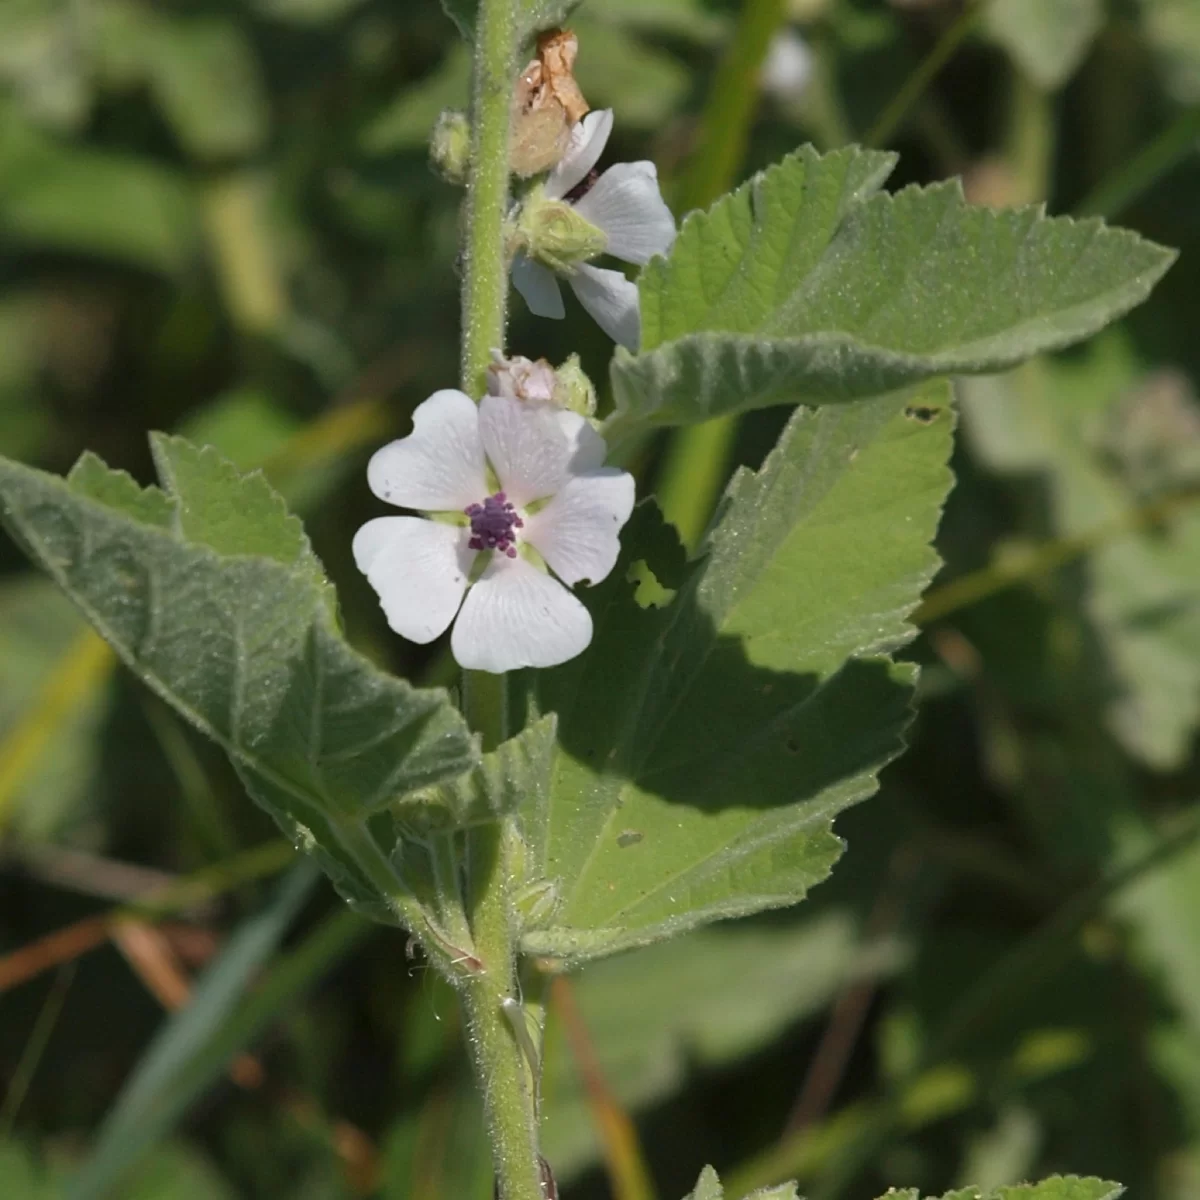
649	593
924	413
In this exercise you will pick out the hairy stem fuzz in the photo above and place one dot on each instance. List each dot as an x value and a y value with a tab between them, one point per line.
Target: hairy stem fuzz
500	1064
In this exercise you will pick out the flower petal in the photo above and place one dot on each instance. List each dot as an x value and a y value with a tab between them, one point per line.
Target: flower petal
625	202
589	136
577	532
439	467
420	570
518	616
613	302
526	446
538	288
588	448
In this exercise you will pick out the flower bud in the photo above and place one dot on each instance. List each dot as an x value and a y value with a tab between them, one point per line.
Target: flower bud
522	379
450	146
573	389
553	233
538	384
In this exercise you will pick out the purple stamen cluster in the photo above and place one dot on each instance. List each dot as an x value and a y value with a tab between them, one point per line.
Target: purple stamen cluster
492	525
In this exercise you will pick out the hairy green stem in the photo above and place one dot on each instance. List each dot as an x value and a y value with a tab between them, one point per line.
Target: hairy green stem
498	1059
500	1066
485	275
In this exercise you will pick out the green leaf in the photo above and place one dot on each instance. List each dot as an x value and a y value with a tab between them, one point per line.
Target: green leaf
706	745
407	122
205	76
708	1187
306	12
118	490
136	212
177	1172
21	1174
242	643
1009	1149
1047	38
809	285
230	512
516	772
532	15
42	62
1160	910
1057	1187
1108	440
657	1016
1172	27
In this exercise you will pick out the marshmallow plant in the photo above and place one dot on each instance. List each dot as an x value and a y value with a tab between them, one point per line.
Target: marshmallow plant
643	742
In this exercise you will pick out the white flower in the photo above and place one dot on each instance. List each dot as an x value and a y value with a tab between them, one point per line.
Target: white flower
624	207
514	490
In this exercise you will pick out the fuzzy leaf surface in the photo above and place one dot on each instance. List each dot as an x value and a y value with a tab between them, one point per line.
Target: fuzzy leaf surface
706	745
810	285
210	593
1057	1187
516	772
708	1187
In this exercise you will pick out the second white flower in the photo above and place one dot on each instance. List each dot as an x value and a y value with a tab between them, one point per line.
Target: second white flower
523	487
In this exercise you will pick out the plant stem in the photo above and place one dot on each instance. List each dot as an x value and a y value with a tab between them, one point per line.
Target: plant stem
1031	141
894	116
499	1064
485	703
1138	176
731	105
1041	560
485	277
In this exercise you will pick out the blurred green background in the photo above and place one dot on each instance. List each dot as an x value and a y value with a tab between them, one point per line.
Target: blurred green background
218	218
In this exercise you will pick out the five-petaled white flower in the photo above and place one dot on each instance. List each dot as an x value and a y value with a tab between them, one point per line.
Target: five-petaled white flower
513	490
622	213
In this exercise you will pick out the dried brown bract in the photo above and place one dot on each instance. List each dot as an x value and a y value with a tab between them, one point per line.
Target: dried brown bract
546	103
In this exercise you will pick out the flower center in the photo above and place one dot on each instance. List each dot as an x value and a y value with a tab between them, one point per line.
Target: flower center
493	525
